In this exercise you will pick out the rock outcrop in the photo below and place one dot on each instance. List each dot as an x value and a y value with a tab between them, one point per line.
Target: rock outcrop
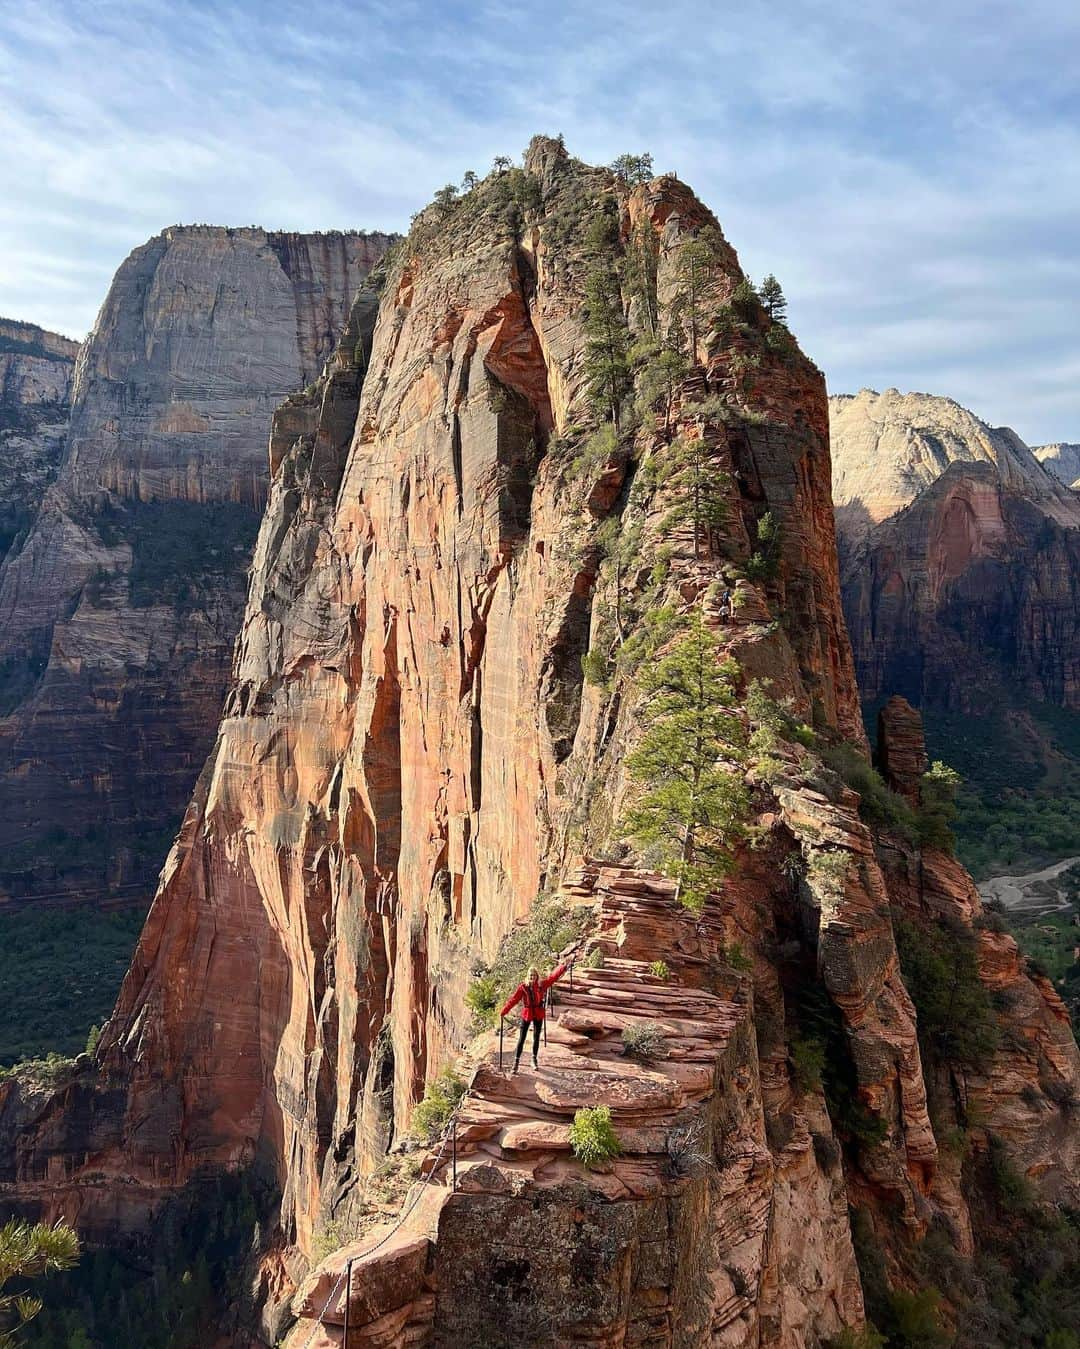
695	1233
120	605
1063	461
960	556
36	372
410	754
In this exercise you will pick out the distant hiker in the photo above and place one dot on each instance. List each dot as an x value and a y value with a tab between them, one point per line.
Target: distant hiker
532	996
725	605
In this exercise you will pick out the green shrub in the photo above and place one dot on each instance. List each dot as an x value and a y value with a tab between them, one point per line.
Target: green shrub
600	447
866	1338
659	970
939	966
594	667
592	1137
807	1058
1014	1191
938	789
441	1097
595	959
829	869
643	1040
482	999
878	805
738	959
917	1319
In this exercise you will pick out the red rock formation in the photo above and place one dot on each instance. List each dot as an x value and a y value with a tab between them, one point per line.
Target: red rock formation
960	557
119	608
410	753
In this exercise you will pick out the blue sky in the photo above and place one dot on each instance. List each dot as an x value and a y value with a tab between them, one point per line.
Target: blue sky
910	171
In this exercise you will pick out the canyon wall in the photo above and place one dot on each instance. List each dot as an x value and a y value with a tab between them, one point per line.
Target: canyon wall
960	556
36	371
119	605
1062	460
410	754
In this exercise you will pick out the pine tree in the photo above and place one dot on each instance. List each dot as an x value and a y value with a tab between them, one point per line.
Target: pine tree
633	168
468	180
772	297
658	382
691	808
640	271
695	268
607	345
446	197
27	1250
698	492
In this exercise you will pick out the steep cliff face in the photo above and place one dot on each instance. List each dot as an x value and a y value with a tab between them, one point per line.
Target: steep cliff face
36	371
1063	461
410	754
119	609
960	556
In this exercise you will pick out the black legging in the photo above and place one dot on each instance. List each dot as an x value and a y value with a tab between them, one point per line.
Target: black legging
537	1027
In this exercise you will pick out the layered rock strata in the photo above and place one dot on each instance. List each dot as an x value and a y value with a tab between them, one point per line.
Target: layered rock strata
36	372
694	1233
960	557
410	754
120	605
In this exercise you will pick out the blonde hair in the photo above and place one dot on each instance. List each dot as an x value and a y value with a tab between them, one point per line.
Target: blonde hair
533	973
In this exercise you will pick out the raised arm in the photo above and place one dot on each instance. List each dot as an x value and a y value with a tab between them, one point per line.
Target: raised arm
511	1003
555	974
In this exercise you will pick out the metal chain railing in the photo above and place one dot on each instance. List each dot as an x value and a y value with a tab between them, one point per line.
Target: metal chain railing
345	1276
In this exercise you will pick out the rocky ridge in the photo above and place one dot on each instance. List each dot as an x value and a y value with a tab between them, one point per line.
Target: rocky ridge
410	754
120	604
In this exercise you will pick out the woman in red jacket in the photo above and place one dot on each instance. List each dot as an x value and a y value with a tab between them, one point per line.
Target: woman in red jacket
531	994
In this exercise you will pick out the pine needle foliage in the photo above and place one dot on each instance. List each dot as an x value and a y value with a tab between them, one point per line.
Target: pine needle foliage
695	270
772	298
28	1250
698	492
693	800
607	345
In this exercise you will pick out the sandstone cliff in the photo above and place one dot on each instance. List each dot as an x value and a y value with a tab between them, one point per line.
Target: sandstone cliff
410	755
960	556
36	370
120	606
1063	461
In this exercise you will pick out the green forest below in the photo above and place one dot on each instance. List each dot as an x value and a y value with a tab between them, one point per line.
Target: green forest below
60	972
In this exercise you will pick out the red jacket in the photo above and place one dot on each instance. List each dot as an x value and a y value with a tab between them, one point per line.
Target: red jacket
533	997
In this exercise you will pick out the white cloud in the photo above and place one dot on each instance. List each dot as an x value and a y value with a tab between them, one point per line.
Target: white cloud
913	177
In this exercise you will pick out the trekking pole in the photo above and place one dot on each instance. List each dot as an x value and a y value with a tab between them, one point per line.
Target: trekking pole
348	1299
547	993
453	1155
501	1019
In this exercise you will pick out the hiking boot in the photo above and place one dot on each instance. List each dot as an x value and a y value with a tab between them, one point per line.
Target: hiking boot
517	1065
536	1065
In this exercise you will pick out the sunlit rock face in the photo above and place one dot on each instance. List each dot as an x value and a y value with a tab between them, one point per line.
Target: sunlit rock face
960	556
410	753
1063	461
120	600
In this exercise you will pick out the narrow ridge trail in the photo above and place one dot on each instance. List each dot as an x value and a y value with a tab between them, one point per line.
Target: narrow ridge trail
513	1138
